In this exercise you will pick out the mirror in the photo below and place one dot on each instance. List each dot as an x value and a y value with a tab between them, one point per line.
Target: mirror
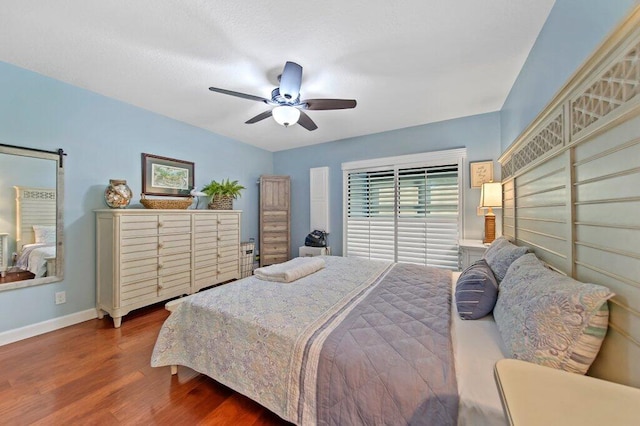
31	220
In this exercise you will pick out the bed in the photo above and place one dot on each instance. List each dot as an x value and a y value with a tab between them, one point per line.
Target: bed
37	258
36	230
297	348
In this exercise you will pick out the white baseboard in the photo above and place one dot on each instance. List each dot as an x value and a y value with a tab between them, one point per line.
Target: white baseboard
32	330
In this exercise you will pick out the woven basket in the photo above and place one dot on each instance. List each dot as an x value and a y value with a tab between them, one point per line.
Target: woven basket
221	202
181	204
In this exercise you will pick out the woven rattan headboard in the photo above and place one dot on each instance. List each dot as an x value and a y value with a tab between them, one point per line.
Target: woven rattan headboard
572	189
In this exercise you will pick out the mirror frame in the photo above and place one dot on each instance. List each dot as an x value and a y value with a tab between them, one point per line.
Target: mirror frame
56	156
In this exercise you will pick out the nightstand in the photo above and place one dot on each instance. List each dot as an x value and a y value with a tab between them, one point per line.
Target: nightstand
470	251
536	395
305	251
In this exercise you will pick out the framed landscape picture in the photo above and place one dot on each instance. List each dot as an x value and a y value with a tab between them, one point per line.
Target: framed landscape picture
166	176
480	172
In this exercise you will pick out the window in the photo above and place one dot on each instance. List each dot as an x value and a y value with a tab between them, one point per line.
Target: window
405	212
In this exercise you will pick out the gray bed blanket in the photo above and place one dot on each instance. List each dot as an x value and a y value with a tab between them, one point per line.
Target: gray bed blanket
390	360
289	346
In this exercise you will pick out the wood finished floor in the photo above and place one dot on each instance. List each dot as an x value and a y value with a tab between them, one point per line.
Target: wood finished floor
93	374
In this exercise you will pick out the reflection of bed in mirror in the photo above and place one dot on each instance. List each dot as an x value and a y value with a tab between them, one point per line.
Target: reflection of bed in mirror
36	230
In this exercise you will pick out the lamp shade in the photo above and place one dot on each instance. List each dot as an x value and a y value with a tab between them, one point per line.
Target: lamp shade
491	195
286	115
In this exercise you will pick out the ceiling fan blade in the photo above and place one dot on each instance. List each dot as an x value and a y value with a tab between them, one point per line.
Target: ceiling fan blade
290	81
325	104
239	95
259	117
306	121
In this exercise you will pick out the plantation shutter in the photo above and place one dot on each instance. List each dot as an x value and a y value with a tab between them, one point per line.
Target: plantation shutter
407	214
427	224
371	217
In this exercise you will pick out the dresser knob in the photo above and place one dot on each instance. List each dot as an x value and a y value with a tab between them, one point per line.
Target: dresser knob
160	224
160	245
219	238
219	255
160	287
160	266
219	222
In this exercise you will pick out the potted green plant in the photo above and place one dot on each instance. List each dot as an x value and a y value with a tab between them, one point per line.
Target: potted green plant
222	193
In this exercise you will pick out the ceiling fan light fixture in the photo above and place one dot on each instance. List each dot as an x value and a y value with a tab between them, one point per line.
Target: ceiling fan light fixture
286	115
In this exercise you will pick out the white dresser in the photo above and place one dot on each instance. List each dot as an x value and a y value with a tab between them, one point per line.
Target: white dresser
145	256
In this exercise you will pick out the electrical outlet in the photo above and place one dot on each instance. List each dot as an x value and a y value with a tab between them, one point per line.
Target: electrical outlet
61	297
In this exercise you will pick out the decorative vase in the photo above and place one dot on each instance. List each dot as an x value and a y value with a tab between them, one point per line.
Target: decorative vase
221	202
118	194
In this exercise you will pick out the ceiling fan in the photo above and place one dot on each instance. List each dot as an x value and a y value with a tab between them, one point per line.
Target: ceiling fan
286	99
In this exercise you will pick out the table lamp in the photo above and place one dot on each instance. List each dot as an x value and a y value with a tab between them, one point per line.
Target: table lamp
490	198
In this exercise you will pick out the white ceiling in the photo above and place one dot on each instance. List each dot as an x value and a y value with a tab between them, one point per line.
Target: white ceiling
406	62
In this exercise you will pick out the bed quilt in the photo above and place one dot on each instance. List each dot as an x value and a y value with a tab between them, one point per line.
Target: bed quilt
34	258
288	345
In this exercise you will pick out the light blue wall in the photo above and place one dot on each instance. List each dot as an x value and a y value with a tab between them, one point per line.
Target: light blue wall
480	134
572	31
104	139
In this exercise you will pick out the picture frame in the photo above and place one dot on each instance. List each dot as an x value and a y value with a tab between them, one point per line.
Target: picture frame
480	172
166	176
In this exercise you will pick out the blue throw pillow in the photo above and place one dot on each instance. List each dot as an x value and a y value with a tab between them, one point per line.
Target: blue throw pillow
476	291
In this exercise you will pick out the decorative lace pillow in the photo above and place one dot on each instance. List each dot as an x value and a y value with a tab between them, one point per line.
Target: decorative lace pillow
476	291
501	254
44	234
550	319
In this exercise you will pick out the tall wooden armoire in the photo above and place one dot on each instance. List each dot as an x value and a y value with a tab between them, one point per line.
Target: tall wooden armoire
275	219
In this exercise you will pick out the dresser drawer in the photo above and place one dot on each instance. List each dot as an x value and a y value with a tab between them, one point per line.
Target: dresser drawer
205	257
228	251
275	216
275	238
275	249
138	226
141	247
174	225
269	259
206	276
206	244
208	225
138	270
202	236
141	290
208	219
174	263
174	282
275	227
228	221
206	231
228	239
226	267
178	243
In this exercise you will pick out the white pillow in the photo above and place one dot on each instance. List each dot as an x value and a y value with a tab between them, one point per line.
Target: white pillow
44	234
